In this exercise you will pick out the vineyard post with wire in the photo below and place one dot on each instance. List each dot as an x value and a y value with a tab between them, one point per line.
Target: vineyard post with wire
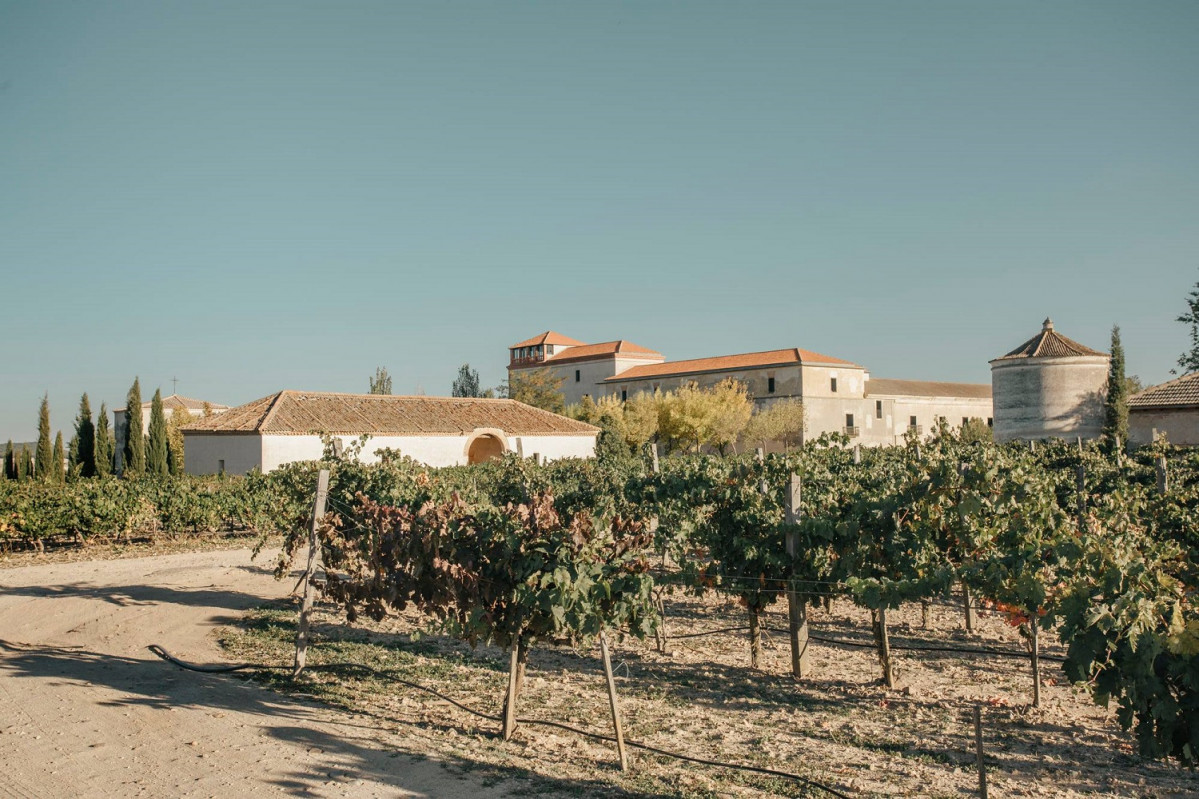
318	512
797	605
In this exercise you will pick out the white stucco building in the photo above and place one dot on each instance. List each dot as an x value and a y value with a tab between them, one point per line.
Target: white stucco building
1171	409
437	431
171	404
838	395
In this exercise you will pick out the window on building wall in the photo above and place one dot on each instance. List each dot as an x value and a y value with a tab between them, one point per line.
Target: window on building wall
878	409
220	467
833	384
770	385
624	395
990	422
911	421
849	420
577	376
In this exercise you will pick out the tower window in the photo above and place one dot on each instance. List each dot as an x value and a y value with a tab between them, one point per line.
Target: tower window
577	377
770	385
878	409
833	384
624	395
911	421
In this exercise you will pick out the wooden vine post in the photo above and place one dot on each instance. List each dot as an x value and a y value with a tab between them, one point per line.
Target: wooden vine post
516	679
797	605
967	599
1163	476
1080	490
1033	629
978	752
659	591
318	512
624	756
883	639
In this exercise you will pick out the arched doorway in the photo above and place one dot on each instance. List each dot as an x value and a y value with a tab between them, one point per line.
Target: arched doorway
486	447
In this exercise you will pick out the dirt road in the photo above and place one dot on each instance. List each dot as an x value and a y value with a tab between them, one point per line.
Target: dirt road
85	709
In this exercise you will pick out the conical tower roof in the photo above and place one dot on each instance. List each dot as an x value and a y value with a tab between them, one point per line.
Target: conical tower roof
1050	344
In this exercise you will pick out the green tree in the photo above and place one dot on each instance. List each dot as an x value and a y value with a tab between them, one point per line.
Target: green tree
25	465
1115	405
105	445
58	473
466	384
156	451
780	421
84	450
381	382
540	388
134	456
975	429
10	462
1189	360
44	462
697	417
180	418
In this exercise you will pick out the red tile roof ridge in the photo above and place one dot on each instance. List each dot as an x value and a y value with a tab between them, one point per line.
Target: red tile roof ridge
1051	344
1180	392
548	337
728	362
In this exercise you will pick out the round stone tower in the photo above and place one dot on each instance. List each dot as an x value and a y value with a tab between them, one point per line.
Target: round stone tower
1049	387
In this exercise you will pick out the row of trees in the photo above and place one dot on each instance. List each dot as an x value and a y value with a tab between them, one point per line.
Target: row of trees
92	448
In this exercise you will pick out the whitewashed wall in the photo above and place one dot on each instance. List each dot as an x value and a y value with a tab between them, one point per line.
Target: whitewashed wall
246	451
1180	427
203	452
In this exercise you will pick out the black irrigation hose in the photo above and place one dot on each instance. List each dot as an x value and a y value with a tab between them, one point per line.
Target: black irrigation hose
167	656
902	648
865	645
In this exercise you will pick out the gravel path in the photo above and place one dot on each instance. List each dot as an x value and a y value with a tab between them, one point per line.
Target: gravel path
85	709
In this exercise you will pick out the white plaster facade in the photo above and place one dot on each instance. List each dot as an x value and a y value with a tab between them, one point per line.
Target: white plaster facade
240	453
1180	426
837	395
445	431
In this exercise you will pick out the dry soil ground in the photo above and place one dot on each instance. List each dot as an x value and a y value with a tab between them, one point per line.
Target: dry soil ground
85	709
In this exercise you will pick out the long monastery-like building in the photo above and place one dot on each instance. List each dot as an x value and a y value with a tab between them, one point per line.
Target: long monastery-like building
838	395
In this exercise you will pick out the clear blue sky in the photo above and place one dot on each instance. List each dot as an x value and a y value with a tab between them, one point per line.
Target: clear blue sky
253	196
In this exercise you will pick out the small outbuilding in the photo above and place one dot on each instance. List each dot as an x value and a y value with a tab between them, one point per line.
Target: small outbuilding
437	431
1049	387
1170	409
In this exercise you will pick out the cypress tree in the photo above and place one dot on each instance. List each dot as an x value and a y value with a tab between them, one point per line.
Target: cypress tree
44	461
84	454
25	465
74	470
105	445
1115	405
10	462
57	473
156	452
134	456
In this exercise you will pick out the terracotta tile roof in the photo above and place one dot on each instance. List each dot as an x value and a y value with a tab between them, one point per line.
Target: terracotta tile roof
589	352
548	337
1050	344
879	386
174	402
307	412
721	363
1182	392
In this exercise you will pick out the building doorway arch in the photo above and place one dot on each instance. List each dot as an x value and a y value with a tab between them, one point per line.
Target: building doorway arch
485	445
